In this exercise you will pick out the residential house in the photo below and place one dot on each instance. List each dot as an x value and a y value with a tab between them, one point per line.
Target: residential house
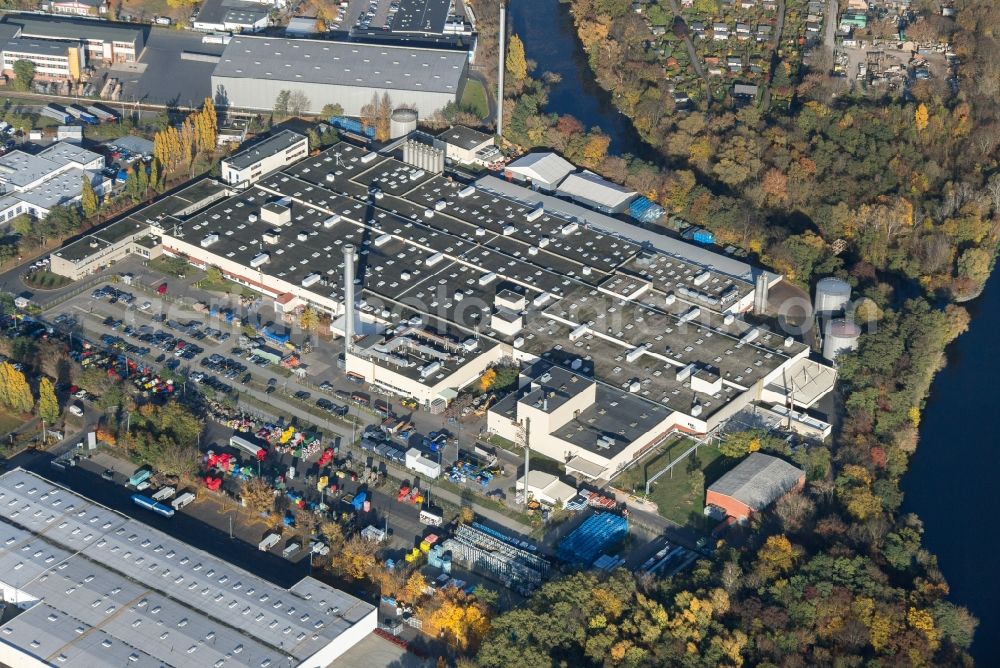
720	32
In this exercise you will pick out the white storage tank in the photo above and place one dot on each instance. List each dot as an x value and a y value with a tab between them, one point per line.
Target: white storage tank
402	122
832	295
839	336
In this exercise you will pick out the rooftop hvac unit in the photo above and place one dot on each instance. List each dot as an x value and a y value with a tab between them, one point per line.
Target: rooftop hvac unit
368	157
587	271
789	341
330	177
729	319
480	232
634	386
209	240
691	314
535	214
750	336
533	250
430	369
470	344
252	217
405	275
487	278
332	220
509	230
302	236
685	373
569	228
541	299
382	240
459	295
578	332
311	279
696	410
440	205
670	299
466	191
702	278
543	242
635	353
434	259
271	237
416	174
428	213
519	342
259	259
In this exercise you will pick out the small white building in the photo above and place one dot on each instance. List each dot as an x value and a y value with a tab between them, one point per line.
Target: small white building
465	145
33	184
542	171
249	165
547	488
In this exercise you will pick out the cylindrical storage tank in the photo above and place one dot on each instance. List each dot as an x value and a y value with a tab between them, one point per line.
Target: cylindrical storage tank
839	336
832	295
402	122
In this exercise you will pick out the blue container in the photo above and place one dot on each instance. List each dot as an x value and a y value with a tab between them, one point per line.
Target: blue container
703	237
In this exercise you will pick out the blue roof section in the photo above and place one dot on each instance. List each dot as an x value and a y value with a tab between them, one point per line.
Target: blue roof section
597	534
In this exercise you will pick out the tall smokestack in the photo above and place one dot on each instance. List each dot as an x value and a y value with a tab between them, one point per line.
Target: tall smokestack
349	258
502	58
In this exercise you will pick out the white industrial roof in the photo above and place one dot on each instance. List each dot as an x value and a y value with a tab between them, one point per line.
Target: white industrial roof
99	588
547	487
544	167
589	186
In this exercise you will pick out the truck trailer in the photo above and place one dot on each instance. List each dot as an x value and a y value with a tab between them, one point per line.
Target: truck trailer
149	504
56	112
182	500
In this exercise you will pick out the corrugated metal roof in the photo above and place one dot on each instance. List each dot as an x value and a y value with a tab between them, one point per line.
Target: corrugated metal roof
545	167
758	481
117	591
589	186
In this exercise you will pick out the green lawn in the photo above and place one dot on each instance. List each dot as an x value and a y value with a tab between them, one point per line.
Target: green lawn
680	495
221	285
474	98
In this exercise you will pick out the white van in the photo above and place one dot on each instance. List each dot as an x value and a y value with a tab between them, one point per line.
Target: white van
76	410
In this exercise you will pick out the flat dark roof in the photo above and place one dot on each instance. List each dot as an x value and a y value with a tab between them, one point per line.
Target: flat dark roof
464	137
273	144
427	16
57	27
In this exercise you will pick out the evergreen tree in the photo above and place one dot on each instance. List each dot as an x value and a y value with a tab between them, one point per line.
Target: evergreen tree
48	405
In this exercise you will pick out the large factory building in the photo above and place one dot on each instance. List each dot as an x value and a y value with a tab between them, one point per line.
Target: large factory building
254	70
430	281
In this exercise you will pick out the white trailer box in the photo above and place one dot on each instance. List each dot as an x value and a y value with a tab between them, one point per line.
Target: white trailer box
270	540
417	463
182	500
164	494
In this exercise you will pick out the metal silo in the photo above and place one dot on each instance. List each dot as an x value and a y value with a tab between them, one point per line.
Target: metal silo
839	336
402	122
832	296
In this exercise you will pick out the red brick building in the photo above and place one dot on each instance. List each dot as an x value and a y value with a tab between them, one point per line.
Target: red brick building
755	483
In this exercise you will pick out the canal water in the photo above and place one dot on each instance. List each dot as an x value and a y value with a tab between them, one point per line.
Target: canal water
952	476
546	28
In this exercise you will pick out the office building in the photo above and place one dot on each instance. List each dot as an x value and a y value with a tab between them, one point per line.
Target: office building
103	42
273	153
34	183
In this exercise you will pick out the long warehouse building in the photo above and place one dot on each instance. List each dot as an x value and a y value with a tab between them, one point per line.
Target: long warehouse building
253	71
87	586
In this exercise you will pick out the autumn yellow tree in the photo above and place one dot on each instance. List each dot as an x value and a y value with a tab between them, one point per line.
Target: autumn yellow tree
487	379
517	62
309	319
921	117
457	617
48	405
356	559
14	390
415	587
595	150
258	496
777	556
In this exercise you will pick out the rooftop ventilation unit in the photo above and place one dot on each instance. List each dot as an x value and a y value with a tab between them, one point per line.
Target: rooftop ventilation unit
685	373
466	191
750	336
541	299
434	259
696	410
271	237
259	259
487	278
440	205
579	332
368	157
690	315
330	177
729	319
569	228
311	279
634	354
702	278
209	240
382	240
634	386
302	236
535	214
331	221
509	230
430	369
543	242
670	299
